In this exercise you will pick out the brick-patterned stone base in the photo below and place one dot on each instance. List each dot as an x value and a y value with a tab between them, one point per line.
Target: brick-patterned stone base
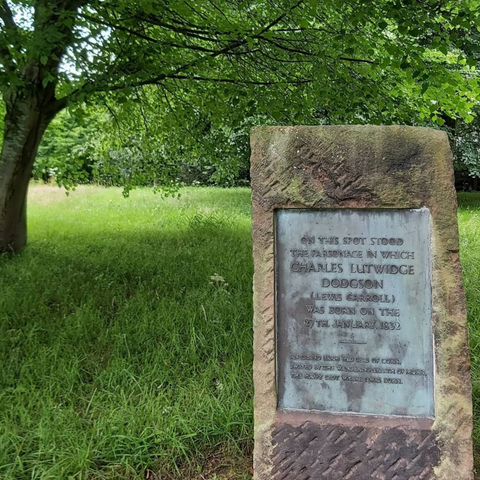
311	451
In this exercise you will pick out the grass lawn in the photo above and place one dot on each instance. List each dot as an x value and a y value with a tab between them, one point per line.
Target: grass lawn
469	226
118	352
121	357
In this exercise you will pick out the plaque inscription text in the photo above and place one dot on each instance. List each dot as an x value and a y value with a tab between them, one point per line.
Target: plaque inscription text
353	311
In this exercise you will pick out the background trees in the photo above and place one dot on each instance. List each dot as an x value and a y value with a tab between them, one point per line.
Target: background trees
184	76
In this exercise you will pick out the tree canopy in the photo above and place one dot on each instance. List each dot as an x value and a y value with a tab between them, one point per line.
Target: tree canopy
346	51
218	64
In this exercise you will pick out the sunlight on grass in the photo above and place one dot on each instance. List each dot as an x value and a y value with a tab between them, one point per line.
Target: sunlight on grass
126	335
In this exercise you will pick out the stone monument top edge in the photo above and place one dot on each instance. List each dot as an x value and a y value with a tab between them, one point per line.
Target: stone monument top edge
426	130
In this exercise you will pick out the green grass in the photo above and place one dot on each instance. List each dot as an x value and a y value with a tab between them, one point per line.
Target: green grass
119	353
469	227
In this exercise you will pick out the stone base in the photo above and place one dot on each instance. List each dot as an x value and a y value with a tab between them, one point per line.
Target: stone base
338	447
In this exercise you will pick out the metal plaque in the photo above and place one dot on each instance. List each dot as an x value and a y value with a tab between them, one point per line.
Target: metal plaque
353	311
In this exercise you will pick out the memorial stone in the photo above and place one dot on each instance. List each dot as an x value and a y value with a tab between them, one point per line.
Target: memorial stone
361	366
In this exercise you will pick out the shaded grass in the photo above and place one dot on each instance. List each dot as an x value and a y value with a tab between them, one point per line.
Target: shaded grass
118	351
121	358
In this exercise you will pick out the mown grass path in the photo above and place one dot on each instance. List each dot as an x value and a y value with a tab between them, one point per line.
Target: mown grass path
126	335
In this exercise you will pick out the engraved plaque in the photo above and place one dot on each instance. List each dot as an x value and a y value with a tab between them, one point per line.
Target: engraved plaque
353	311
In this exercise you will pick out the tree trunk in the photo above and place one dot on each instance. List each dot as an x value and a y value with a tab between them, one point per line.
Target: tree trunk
25	123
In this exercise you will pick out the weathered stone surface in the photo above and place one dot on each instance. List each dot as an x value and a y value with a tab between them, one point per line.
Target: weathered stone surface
361	167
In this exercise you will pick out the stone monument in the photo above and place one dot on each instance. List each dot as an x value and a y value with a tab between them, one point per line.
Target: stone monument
362	366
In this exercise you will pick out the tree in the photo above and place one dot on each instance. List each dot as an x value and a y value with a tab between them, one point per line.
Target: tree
68	149
291	58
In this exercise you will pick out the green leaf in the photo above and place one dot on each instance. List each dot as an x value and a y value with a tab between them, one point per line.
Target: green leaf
303	22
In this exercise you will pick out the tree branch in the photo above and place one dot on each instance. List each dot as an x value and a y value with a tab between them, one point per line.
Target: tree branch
178	72
239	81
7	16
279	18
57	106
288	49
122	28
192	32
72	5
143	36
159	79
357	60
